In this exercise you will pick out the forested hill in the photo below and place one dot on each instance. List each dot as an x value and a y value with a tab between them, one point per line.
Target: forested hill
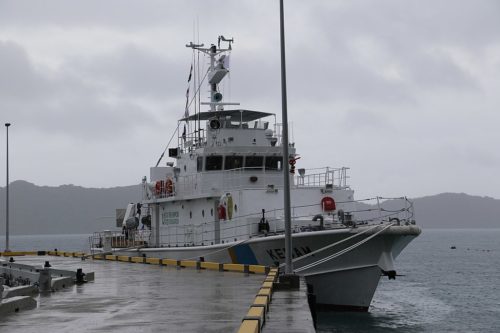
71	209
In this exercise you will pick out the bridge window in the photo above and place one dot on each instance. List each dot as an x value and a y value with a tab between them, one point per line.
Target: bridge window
274	163
254	162
233	162
213	163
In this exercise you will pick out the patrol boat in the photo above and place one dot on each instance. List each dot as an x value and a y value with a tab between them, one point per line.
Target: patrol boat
220	199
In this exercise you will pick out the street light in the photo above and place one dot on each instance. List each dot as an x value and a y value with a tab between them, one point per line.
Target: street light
7	195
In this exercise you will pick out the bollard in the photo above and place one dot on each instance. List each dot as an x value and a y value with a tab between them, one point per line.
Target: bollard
80	276
47	265
45	280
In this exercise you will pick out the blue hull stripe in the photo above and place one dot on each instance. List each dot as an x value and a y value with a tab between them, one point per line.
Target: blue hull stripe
245	255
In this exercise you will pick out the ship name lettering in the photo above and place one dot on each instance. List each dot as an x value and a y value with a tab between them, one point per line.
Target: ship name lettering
277	254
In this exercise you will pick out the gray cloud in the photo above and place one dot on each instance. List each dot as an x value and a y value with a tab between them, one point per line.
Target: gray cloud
403	92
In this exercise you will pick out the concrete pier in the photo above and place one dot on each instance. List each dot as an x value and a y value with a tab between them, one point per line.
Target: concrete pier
289	312
153	294
132	297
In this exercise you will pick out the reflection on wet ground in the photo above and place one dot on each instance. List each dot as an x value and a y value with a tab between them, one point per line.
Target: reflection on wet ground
129	297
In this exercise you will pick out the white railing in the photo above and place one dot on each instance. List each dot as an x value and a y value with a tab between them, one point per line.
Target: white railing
208	182
398	211
243	178
336	177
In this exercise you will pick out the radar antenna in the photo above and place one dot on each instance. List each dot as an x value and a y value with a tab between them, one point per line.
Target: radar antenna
217	70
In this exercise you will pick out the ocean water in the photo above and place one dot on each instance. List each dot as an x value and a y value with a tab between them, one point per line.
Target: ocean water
442	290
75	242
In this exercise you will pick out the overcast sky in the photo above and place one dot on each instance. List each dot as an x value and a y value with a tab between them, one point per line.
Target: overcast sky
406	93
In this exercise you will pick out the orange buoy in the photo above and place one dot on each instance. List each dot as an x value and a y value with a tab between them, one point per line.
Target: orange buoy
169	185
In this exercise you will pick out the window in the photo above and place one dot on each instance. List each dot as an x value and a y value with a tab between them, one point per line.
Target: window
274	163
199	163
254	162
213	163
233	162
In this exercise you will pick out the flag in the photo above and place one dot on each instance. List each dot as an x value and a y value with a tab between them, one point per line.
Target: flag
190	73
186	111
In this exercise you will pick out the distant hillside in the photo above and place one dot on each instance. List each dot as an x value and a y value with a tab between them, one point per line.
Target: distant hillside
74	209
64	209
453	210
457	210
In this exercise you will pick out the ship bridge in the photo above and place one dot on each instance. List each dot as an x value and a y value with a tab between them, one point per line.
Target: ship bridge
224	128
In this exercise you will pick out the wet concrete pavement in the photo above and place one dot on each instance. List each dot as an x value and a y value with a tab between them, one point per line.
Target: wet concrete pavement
127	297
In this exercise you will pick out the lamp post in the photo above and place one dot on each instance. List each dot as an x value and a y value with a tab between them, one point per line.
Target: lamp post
289	280
286	170
7	195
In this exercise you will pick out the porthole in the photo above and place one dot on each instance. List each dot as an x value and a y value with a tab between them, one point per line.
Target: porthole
182	206
203	212
190	214
211	212
235	207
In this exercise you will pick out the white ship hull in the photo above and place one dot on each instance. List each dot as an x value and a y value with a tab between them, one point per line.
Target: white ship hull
346	282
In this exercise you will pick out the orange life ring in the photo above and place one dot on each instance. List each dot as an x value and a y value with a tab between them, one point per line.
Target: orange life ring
158	188
169	185
328	204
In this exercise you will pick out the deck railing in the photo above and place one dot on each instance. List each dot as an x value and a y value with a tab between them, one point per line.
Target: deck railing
366	211
245	178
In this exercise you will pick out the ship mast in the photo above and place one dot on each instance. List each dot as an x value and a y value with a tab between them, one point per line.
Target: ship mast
216	71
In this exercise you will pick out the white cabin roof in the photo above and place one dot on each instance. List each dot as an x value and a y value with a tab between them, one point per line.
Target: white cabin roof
236	115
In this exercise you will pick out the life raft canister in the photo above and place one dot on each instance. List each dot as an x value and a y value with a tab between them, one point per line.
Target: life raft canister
221	212
169	185
328	204
225	208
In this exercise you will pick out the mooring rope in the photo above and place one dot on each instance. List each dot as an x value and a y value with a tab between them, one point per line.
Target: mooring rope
331	245
338	254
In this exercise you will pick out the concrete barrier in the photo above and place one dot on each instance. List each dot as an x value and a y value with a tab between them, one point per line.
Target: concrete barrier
212	265
29	290
256	315
249	326
234	267
188	263
266	292
59	283
138	260
153	261
169	262
16	304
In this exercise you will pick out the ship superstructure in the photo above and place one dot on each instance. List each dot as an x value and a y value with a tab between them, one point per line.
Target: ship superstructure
220	198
